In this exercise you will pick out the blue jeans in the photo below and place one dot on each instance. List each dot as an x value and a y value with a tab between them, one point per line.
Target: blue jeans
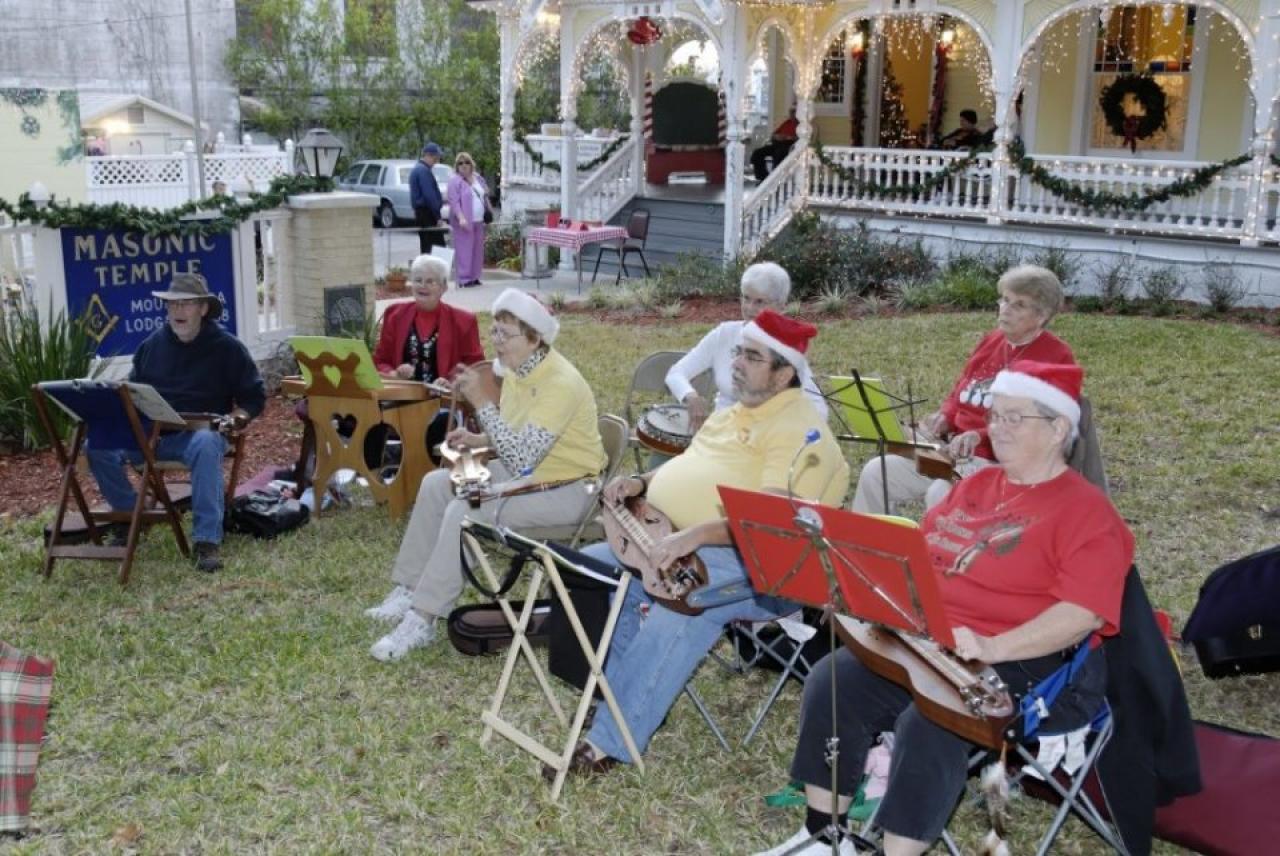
200	451
653	655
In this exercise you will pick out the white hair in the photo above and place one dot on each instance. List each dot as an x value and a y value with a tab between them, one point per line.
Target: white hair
430	267
769	280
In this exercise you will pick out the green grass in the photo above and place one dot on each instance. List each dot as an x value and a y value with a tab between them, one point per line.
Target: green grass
241	712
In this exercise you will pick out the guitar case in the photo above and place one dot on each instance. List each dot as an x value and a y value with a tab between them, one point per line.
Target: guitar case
1235	626
481	628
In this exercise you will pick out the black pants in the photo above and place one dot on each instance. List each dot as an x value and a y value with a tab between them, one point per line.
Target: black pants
930	764
428	235
777	151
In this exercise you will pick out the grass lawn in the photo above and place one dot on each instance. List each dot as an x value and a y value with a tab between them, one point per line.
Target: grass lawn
241	712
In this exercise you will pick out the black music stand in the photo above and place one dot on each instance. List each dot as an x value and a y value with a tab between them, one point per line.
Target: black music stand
841	562
868	413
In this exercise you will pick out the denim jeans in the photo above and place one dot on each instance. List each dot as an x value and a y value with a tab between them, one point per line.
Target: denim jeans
655	651
200	451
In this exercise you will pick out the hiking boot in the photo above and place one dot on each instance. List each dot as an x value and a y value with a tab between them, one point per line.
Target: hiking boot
413	631
393	608
206	557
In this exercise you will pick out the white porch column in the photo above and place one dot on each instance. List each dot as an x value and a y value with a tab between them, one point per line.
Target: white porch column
568	127
508	45
636	91
734	72
1265	84
1006	41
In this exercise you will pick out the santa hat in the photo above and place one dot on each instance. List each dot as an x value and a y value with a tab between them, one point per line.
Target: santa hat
530	310
786	337
1055	385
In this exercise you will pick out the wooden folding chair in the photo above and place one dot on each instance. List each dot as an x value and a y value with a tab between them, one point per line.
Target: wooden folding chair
109	418
548	569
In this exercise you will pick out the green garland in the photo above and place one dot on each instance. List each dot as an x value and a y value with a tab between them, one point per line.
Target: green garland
538	159
929	185
1147	92
1101	200
182	220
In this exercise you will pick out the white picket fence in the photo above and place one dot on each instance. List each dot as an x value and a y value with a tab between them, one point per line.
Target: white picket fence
165	181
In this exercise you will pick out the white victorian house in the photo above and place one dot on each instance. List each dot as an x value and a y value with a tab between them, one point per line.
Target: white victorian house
1145	128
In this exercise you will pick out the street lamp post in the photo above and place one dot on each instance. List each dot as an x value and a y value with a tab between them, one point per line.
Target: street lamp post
320	151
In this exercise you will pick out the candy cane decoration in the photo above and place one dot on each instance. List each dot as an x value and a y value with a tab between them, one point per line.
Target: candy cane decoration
722	121
648	106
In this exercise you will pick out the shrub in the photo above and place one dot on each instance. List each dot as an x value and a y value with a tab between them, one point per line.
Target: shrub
1163	286
819	257
1059	259
832	301
502	241
598	298
1222	287
1113	282
967	289
671	310
695	275
558	300
29	353
916	294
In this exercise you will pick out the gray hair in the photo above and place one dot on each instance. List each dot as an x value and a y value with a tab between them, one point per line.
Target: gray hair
768	279
1073	433
1040	285
428	267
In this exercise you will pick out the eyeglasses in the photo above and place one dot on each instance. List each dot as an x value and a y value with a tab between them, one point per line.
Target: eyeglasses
182	304
1016	304
749	356
1013	418
498	334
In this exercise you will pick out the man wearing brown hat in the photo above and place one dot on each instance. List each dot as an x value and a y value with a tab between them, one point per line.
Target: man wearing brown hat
199	368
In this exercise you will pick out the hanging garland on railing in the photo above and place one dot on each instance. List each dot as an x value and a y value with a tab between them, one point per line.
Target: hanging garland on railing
1101	200
182	220
872	188
546	164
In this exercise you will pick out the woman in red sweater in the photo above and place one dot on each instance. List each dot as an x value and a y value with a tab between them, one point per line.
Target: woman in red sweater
1029	298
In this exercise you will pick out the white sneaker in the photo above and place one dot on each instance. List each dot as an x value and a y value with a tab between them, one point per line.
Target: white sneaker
792	846
413	631
394	607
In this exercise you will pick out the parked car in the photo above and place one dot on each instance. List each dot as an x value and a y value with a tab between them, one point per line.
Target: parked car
389	179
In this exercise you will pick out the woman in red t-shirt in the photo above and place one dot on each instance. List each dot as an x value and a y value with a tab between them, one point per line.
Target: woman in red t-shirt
1031	560
1029	298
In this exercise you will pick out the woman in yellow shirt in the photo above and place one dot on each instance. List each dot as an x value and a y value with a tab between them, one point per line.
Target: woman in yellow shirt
543	429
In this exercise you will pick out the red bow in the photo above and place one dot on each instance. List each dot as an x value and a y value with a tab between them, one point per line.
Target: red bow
1131	132
644	32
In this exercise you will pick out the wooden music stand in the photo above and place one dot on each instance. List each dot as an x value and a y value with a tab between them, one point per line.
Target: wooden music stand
105	412
345	397
548	569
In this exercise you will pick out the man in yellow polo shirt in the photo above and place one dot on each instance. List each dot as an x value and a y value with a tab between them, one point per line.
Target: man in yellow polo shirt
543	428
756	444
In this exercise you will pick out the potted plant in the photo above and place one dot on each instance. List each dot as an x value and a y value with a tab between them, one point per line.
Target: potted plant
396	278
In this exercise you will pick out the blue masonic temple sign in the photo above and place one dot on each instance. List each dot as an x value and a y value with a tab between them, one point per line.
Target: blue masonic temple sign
111	274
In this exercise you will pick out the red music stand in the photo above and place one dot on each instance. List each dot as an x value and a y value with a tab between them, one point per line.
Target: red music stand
871	568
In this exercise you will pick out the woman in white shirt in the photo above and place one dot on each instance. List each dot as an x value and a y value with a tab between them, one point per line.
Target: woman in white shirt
764	286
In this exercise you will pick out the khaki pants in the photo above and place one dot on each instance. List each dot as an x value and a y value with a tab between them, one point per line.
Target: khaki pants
903	482
429	562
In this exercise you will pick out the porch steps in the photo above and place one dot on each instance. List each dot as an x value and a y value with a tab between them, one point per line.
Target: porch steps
676	226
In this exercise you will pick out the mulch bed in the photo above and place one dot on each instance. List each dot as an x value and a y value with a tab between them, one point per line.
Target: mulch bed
31	479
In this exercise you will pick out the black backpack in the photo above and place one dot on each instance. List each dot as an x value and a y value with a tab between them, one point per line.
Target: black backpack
265	513
1235	625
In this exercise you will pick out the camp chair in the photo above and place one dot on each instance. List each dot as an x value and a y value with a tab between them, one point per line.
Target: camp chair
650	379
613	433
552	565
753	646
104	414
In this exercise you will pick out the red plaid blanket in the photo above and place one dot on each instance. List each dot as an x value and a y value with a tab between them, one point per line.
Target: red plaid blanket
25	683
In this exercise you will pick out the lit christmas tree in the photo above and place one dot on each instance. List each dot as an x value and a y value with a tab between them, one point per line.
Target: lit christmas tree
894	132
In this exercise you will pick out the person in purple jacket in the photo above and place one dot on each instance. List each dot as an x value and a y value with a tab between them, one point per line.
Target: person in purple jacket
468	210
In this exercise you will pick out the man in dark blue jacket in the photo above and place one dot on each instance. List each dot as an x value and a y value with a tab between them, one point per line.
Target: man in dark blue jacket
199	368
424	196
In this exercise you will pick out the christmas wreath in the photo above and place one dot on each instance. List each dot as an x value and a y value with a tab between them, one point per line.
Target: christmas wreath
1148	93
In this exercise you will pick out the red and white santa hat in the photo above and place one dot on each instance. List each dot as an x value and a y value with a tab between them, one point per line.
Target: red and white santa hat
1055	385
786	337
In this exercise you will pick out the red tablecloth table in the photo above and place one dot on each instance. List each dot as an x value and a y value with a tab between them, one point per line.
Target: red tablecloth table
575	239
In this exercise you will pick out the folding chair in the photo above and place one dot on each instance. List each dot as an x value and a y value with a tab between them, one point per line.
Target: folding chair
614	434
785	649
650	379
637	237
105	414
550	567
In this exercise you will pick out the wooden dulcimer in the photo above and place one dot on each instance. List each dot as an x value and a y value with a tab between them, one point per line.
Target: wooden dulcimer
633	527
468	470
971	702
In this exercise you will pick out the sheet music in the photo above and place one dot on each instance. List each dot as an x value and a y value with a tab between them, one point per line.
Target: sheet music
151	403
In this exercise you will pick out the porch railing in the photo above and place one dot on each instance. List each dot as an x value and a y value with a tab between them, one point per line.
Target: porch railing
525	170
609	188
774	201
1269	205
864	170
1218	211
